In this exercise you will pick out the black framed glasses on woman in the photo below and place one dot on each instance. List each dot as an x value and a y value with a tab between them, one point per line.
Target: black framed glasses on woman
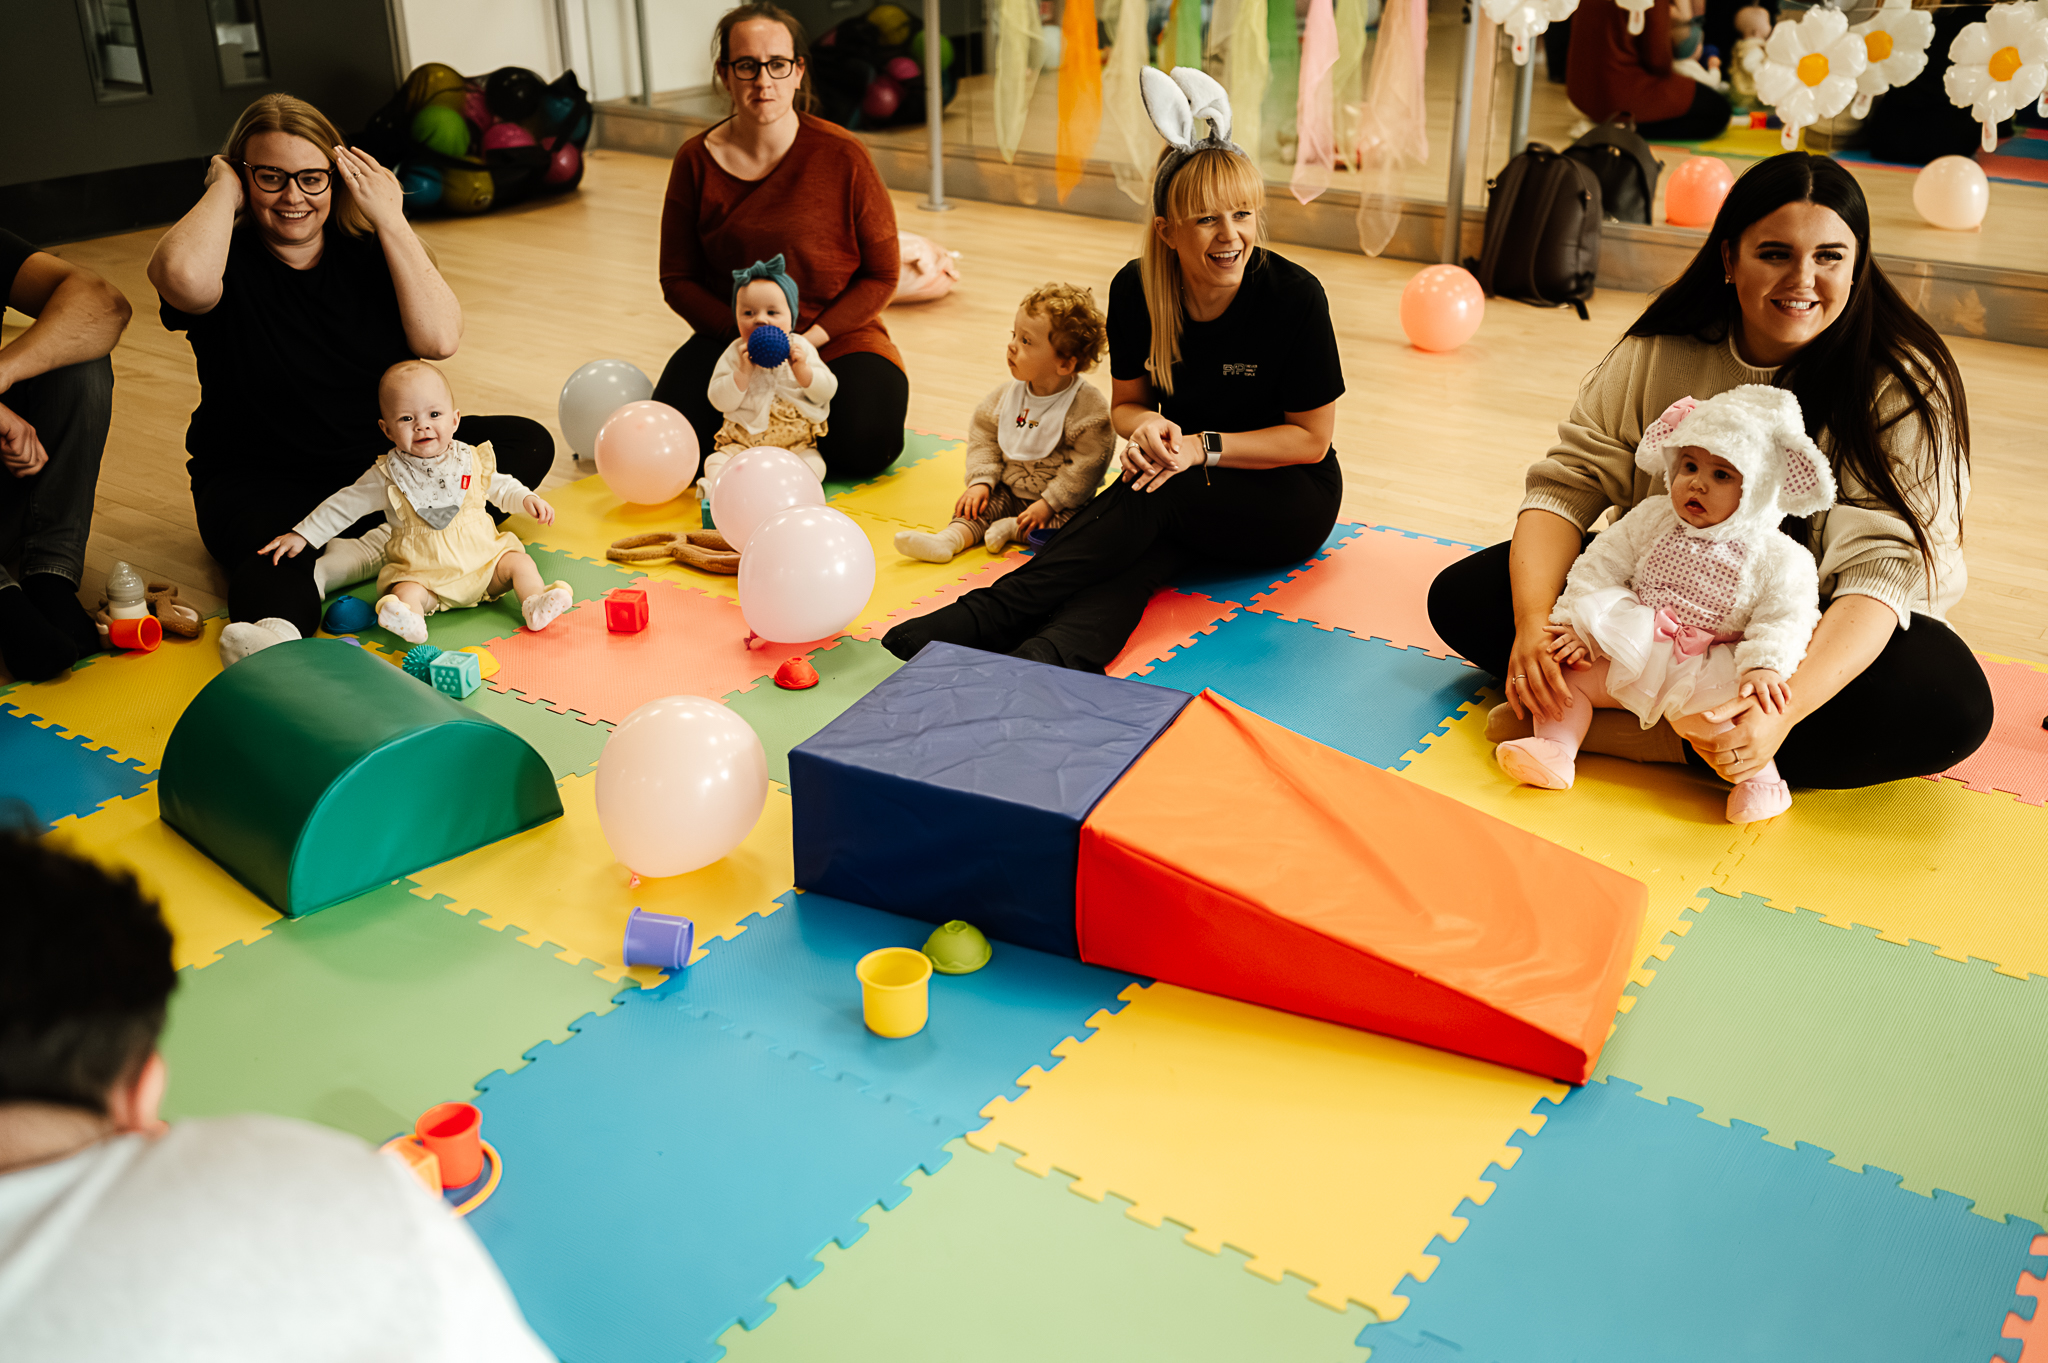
746	68
271	179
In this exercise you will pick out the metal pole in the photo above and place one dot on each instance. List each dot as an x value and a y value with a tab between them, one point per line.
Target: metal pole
934	109
646	55
1461	137
1525	87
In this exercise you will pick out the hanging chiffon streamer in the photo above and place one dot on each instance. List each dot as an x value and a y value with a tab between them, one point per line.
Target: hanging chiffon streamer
1283	53
1130	142
1080	95
1246	71
1316	126
1393	127
1019	39
1347	87
1188	36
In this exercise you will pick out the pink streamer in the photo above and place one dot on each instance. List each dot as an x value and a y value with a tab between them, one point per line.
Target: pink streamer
1393	125
1315	152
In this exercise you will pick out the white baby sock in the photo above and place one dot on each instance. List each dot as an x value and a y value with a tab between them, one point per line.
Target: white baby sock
707	478
1003	532
542	607
345	562
813	461
244	637
938	548
401	619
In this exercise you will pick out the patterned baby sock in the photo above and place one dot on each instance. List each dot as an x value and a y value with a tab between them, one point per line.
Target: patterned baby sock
401	619
543	606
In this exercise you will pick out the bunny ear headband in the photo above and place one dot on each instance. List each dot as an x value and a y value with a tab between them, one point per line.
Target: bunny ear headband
1174	103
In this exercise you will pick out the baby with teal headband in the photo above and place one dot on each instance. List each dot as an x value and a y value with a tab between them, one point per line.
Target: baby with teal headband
770	383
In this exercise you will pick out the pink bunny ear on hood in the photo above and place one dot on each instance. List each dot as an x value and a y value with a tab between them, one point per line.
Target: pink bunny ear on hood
1809	484
1650	457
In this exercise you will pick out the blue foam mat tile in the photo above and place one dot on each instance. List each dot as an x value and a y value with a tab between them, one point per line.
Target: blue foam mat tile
57	777
1630	1229
1433	539
1225	584
789	977
1360	696
665	1171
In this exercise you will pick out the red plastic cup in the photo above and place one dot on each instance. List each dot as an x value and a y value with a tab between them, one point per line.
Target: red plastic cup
141	633
454	1132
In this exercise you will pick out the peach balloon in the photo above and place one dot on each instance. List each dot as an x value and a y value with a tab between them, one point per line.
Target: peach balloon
680	783
1693	194
1951	192
646	453
1441	308
806	574
754	485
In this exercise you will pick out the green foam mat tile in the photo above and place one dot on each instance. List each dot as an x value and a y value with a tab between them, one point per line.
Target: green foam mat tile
847	671
492	620
1885	1054
569	744
988	1262
364	1016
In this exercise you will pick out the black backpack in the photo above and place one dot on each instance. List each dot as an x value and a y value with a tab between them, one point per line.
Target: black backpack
1620	160
1542	243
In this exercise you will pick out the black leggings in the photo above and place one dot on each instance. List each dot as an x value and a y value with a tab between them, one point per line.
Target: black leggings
239	514
1921	707
863	435
1705	120
1078	599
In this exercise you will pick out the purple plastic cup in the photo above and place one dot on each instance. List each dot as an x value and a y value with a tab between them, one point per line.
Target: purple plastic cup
659	939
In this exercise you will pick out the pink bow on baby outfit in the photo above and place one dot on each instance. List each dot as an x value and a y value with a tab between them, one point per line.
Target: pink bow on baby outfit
1689	641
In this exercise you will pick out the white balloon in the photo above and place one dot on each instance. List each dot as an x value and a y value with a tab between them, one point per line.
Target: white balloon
805	574
1952	192
754	485
679	785
593	393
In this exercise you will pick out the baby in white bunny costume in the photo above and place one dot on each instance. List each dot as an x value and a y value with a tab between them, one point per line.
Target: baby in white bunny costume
1690	601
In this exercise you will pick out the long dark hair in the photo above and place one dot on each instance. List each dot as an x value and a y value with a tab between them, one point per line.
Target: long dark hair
721	43
1836	377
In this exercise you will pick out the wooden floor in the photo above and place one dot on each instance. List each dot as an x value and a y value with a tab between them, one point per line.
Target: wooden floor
1434	443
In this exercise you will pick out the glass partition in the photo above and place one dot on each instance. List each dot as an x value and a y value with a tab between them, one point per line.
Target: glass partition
113	47
238	38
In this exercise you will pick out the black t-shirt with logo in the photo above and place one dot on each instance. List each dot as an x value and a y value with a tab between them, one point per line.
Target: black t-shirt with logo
1273	351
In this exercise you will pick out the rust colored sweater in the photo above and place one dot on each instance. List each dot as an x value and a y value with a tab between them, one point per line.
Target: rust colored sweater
1611	71
823	208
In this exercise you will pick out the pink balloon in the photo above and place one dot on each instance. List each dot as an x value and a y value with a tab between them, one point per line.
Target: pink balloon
563	165
902	70
646	453
474	109
1441	308
1693	194
501	135
805	574
679	785
755	485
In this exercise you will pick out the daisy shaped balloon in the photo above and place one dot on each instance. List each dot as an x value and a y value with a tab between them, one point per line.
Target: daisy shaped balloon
1810	70
1524	19
1895	43
1998	65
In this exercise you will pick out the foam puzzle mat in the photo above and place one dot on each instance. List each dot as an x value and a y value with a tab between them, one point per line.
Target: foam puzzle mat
1817	1130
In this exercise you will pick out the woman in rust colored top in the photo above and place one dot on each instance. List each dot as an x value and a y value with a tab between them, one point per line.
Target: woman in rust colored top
1611	71
767	181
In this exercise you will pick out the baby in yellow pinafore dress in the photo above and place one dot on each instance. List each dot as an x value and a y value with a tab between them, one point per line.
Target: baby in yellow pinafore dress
445	551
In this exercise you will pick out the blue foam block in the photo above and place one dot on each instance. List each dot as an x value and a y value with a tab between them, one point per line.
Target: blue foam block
789	977
1221	582
962	780
1360	696
664	1172
1632	1229
56	776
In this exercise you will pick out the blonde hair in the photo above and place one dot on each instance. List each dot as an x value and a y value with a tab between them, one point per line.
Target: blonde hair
1212	180
1072	322
407	367
294	117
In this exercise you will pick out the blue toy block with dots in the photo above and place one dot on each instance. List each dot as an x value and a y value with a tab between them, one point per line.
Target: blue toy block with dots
456	674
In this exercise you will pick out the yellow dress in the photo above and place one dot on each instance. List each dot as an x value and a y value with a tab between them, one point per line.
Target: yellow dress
455	563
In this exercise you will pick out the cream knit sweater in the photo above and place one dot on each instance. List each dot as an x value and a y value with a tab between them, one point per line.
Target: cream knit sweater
1860	547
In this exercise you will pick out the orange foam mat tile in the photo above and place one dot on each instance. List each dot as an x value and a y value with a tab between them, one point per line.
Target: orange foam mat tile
2014	759
1917	861
559	885
1331	1154
204	907
1172	620
694	645
127	703
944	594
1374	585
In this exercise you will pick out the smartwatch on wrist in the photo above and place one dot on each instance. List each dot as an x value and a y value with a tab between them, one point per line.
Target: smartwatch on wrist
1212	447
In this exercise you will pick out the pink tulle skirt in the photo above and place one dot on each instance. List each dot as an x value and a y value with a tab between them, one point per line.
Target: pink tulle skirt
1646	673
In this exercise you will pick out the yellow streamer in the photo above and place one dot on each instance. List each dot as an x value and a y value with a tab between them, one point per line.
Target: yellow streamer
1019	38
1080	95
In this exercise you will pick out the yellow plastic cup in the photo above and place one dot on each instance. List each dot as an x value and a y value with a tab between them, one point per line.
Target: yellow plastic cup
895	990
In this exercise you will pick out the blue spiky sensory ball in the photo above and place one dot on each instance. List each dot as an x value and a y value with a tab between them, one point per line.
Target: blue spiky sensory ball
767	345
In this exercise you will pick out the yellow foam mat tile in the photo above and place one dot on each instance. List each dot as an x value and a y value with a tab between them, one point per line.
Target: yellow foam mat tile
558	884
204	906
1317	1150
588	518
1639	817
1916	860
921	495
127	702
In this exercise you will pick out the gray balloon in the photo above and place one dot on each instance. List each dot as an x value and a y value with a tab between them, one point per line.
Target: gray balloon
592	394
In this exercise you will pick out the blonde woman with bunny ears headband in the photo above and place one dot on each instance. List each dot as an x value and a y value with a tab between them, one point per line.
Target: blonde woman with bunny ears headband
1225	379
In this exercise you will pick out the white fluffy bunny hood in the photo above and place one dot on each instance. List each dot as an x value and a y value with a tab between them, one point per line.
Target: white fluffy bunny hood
1758	429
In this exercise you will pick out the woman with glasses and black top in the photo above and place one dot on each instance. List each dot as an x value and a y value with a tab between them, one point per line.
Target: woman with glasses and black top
773	181
299	282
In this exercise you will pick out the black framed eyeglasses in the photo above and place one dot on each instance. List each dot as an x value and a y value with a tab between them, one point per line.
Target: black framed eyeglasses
271	179
747	68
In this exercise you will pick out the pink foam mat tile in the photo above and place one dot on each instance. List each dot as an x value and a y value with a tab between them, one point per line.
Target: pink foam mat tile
1374	585
943	596
1171	622
2014	759
694	645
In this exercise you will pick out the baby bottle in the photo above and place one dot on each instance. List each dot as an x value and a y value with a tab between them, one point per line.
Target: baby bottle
124	594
